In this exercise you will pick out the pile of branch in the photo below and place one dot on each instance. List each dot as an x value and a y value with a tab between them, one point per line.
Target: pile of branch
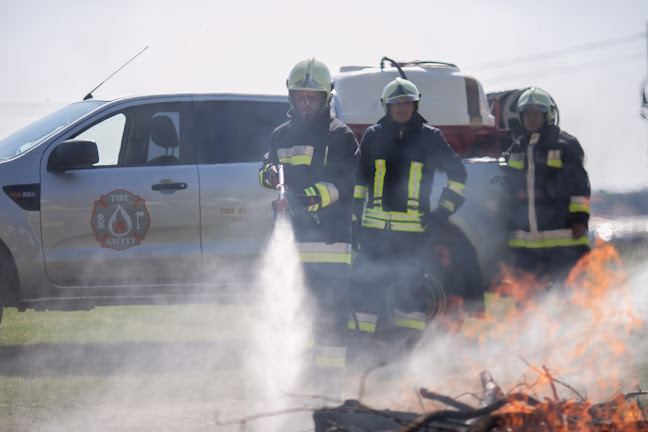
496	412
515	412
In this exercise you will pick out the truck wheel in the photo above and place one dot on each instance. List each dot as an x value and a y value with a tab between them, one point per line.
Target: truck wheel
425	291
8	279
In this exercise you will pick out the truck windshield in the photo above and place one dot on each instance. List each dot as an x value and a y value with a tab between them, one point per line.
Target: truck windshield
34	133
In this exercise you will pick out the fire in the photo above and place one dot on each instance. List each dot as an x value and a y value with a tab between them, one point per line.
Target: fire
585	325
120	226
552	351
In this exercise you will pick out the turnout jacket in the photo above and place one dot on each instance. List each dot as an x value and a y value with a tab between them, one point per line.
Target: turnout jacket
396	170
320	153
549	188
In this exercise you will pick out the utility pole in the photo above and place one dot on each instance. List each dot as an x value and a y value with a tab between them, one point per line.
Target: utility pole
644	87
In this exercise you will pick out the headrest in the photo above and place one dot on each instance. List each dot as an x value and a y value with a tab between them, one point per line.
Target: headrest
163	132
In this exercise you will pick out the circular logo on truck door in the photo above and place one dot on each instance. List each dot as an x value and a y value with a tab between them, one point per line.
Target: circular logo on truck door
120	220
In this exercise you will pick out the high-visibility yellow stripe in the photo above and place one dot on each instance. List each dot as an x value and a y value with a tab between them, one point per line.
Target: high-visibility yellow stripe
456	187
574	208
328	192
516	160
324	361
579	204
324	252
379	179
409	323
554	158
360	192
393	216
311	192
516	164
414	184
297	160
448	205
364	326
330	356
341	258
548	243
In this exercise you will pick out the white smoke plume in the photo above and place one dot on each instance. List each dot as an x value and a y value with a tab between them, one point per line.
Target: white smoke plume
585	340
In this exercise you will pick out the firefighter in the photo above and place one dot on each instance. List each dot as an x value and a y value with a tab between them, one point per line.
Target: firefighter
319	155
400	156
549	199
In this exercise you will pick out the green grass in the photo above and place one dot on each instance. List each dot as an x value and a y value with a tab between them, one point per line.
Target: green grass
126	324
30	403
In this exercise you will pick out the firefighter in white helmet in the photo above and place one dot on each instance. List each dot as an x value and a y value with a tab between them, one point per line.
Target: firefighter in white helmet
319	154
549	192
400	156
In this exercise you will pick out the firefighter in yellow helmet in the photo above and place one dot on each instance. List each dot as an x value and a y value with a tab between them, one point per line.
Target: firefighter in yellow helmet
400	156
319	155
549	192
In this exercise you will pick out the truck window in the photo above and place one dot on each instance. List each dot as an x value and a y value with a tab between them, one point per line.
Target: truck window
146	134
108	135
236	131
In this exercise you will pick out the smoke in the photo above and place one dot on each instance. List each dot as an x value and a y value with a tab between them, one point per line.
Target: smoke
280	333
586	342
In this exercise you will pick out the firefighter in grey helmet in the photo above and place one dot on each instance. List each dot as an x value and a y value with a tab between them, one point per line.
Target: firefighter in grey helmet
549	194
319	155
400	155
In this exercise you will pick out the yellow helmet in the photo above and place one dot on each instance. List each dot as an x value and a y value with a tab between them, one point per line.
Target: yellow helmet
310	75
399	90
539	99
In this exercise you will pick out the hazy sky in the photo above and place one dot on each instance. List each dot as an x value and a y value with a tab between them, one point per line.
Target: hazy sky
55	52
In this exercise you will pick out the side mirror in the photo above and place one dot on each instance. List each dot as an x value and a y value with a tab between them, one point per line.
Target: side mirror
73	154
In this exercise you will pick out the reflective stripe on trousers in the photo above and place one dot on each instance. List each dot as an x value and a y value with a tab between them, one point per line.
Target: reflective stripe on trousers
320	252
545	239
327	356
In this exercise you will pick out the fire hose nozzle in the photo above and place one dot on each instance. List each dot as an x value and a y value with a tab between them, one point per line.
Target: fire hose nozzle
281	187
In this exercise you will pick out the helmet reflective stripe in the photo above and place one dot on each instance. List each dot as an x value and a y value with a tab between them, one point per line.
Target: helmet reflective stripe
536	98
399	90
310	75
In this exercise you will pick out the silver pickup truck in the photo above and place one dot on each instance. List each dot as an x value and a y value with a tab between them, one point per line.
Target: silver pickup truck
155	199
136	200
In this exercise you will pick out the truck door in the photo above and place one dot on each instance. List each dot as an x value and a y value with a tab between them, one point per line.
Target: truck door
133	218
232	137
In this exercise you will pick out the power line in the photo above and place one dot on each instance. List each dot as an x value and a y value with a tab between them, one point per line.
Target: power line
576	49
553	69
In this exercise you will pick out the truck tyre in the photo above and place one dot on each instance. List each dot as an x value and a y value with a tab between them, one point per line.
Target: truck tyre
8	280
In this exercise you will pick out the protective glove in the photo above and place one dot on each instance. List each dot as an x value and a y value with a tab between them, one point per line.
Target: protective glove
434	221
269	176
308	201
578	230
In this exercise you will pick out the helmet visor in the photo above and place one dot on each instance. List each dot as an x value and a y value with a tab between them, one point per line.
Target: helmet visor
401	98
401	94
539	107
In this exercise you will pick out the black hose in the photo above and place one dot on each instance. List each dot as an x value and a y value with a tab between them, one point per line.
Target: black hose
396	65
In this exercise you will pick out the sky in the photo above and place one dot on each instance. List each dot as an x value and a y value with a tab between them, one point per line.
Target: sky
590	55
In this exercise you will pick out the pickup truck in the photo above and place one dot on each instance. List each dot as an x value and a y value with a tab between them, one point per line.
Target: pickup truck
155	199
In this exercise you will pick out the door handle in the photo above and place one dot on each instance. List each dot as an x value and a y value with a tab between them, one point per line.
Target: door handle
169	186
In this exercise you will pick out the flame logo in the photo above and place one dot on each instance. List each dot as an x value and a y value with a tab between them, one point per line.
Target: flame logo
120	223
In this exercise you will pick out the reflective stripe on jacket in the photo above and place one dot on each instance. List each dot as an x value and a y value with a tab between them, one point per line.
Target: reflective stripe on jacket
320	156
397	166
550	190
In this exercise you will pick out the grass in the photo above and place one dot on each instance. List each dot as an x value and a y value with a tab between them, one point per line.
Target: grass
29	402
126	324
